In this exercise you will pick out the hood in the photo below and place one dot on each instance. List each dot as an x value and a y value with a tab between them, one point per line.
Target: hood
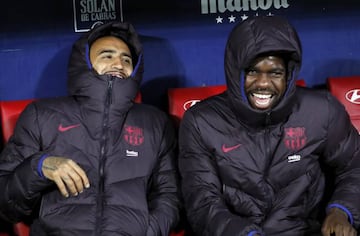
248	40
85	82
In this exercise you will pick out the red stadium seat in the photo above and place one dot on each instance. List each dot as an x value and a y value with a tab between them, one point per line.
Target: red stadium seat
10	111
301	83
181	99
347	91
138	98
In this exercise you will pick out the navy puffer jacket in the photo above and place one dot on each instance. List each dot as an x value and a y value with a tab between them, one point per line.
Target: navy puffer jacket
125	148
245	170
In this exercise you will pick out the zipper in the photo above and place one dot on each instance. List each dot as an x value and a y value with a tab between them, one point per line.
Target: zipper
268	195
103	146
109	91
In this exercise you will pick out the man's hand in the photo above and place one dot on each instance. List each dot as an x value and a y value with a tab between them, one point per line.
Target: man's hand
67	175
336	223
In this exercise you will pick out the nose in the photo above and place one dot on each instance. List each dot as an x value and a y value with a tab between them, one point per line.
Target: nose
263	79
117	63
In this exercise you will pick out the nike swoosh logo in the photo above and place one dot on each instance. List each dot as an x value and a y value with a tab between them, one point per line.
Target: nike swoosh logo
228	149
62	128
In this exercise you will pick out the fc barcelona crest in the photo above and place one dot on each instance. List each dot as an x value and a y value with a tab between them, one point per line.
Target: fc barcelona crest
295	138
134	135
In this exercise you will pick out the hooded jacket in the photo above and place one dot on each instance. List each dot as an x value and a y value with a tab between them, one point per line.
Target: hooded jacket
125	148
247	171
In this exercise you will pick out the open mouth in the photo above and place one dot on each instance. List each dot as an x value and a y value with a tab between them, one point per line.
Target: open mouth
117	74
262	101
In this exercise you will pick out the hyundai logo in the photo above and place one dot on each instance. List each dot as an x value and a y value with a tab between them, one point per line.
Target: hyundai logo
190	103
353	96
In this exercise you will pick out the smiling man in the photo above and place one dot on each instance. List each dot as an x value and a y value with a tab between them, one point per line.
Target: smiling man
110	55
94	160
252	158
265	81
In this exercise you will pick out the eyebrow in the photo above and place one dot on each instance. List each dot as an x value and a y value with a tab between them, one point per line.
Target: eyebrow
277	68
113	51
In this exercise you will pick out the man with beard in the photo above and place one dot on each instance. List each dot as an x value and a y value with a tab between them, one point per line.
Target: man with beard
93	160
252	159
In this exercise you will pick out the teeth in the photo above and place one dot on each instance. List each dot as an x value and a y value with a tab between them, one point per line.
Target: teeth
262	96
262	102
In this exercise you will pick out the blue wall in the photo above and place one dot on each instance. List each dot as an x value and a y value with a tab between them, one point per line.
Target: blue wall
183	47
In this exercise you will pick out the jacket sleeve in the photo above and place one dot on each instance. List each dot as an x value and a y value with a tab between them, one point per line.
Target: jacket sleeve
202	188
21	185
163	196
343	155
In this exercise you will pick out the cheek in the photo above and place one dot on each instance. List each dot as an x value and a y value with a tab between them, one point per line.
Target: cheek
129	70
99	67
247	84
280	87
